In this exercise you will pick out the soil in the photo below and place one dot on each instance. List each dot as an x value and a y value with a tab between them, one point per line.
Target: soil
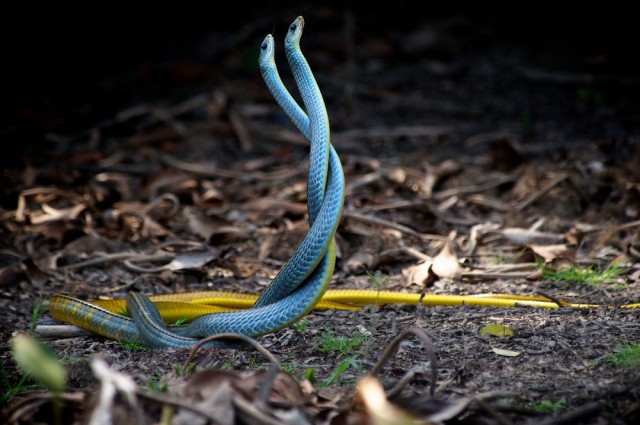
465	124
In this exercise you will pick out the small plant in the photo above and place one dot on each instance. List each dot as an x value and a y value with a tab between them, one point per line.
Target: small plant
131	345
38	310
227	365
180	321
43	366
310	375
340	370
342	344
253	364
379	281
290	368
590	95
177	368
301	326
13	390
584	275
526	124
550	406
153	384
626	355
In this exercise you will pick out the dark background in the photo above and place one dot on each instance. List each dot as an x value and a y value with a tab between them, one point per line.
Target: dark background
66	70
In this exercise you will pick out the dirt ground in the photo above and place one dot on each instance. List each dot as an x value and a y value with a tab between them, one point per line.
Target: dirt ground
516	136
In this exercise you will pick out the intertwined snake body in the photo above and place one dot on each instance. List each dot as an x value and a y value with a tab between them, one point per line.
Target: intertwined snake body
303	279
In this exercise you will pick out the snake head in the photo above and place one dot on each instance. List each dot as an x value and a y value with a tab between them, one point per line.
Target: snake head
295	32
267	51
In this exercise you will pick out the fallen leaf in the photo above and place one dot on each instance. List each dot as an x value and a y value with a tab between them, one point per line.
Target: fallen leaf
213	229
380	410
420	274
53	214
551	252
496	329
506	353
527	236
192	260
361	260
446	264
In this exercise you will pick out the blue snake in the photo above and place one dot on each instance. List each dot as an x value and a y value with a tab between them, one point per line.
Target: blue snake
300	283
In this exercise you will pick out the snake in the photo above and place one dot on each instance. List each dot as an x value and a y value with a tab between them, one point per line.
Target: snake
304	278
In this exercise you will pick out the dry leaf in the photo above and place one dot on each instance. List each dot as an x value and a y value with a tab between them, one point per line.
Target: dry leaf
506	353
420	274
213	229
359	261
446	264
496	329
380	410
192	260
526	236
551	252
52	214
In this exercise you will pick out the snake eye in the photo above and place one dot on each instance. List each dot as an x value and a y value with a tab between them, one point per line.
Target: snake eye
293	27
263	46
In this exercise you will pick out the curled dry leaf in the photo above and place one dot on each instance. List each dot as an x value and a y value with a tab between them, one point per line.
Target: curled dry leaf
213	229
420	274
192	260
278	207
552	252
497	330
225	395
526	236
53	214
361	260
379	409
437	174
505	353
445	265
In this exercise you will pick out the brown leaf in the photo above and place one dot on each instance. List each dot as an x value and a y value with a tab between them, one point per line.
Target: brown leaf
203	383
420	274
526	236
446	264
214	391
506	154
552	252
361	260
285	390
192	260
213	229
278	207
380	410
52	214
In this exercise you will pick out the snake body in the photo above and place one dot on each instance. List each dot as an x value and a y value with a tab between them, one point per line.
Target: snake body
301	282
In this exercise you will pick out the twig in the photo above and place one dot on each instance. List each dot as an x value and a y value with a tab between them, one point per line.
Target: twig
444	194
385	223
390	132
492	412
271	373
60	331
428	345
534	197
237	122
106	259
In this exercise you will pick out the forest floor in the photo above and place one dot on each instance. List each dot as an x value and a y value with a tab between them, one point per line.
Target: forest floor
520	160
